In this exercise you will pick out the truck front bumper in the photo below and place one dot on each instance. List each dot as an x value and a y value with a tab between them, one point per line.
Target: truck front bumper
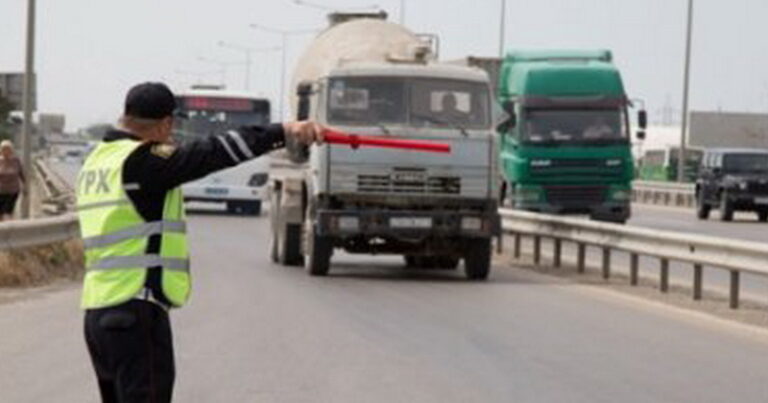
408	224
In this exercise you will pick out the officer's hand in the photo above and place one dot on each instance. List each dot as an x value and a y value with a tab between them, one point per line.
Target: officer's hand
305	132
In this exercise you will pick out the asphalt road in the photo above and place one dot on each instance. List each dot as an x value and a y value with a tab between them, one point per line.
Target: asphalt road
745	225
372	332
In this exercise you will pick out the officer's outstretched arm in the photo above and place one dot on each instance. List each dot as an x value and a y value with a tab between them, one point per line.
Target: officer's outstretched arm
163	166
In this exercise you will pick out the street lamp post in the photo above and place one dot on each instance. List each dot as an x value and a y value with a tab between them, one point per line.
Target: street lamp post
26	129
502	27
248	52
686	88
284	37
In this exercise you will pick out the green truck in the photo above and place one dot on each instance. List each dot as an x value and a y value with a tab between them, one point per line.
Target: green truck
565	145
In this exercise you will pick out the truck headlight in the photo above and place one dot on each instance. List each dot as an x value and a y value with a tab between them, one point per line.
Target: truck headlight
528	194
540	163
471	224
621	195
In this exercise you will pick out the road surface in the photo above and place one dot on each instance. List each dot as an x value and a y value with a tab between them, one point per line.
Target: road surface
372	332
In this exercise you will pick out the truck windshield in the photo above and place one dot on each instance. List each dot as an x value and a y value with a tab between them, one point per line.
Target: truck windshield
574	125
414	102
745	163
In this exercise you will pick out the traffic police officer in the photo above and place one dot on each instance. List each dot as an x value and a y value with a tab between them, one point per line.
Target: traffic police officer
133	227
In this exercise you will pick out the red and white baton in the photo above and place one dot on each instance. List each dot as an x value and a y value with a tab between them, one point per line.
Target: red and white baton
356	141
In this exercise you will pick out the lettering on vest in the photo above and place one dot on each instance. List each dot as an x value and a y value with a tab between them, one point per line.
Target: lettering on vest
93	177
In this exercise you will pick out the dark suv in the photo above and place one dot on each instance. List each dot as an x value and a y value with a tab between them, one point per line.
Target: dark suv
733	180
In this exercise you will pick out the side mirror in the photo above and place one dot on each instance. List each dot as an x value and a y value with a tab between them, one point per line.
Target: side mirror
511	119
642	119
641	134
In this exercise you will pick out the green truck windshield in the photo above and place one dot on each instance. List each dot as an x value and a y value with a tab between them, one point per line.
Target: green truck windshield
414	102
575	126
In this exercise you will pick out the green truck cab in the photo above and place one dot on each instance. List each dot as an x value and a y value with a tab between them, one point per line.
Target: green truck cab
565	147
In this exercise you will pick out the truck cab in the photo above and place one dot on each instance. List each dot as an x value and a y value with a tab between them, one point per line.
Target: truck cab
566	147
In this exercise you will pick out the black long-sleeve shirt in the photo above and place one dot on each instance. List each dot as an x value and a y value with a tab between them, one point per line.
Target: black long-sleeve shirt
157	168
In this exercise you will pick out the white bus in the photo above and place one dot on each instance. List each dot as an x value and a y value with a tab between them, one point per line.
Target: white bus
212	112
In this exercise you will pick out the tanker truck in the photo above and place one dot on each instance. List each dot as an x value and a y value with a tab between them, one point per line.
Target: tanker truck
367	76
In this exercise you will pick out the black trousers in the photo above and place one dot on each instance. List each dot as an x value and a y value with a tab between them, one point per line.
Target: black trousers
131	349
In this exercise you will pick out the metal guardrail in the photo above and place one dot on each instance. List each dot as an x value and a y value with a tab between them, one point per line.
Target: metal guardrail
58	194
700	251
43	231
664	193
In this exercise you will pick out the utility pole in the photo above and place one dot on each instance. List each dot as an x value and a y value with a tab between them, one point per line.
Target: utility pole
686	88
26	128
502	27
284	35
402	12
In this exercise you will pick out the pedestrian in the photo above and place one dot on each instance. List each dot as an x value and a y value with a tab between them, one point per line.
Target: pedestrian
12	180
132	221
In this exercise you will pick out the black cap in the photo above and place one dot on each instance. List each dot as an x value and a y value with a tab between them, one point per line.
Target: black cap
150	101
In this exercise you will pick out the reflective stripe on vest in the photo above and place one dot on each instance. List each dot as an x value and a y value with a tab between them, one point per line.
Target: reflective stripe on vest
143	230
117	238
122	262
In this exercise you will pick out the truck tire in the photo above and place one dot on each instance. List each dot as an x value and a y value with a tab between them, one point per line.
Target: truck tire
274	219
726	208
289	245
702	208
477	259
318	252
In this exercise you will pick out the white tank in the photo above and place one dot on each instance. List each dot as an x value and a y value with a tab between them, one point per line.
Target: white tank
359	40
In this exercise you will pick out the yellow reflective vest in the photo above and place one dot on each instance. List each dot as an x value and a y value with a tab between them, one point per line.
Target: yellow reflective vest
115	236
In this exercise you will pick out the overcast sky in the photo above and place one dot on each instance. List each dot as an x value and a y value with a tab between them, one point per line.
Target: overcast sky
89	52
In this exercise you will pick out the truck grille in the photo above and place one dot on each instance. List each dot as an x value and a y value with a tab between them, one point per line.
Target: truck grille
404	180
575	196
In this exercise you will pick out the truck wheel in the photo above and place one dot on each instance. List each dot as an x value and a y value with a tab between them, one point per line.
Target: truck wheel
477	259
319	251
274	219
762	215
289	245
411	261
726	208
702	208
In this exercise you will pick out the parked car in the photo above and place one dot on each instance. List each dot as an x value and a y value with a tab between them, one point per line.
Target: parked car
733	180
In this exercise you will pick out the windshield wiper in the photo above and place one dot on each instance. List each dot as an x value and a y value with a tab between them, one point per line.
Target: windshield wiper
435	120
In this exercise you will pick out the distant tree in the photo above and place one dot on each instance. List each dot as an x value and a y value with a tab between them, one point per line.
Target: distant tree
5	110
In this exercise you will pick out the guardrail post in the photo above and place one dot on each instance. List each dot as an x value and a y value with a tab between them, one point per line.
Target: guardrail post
518	241
634	264
698	277
606	263
558	249
581	259
664	281
537	249
735	289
